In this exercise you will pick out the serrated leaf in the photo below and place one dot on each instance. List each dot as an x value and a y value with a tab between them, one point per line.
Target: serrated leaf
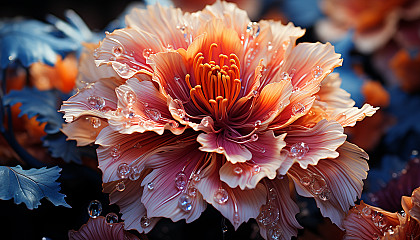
29	41
61	148
30	186
42	104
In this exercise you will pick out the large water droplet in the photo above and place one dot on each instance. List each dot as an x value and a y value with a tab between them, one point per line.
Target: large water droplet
325	195
237	170
180	181
366	211
192	191
253	29
153	114
269	215
123	69
144	221
221	196
115	152
94	209
298	108
274	233
120	186
256	168
184	202
95	122
123	170
150	186
117	50
318	184
306	180
298	150
317	72
111	218
96	102
135	173
130	97
254	137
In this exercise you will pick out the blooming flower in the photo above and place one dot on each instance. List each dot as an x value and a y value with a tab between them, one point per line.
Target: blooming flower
211	108
368	222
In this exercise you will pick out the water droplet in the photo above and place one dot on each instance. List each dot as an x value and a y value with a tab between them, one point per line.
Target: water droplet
284	76
181	113
195	178
123	170
181	181
192	191
255	93
298	108
256	168
150	186
123	69
257	123
135	173
120	186
237	170
169	47
269	46
95	122
184	202
381	223
221	196
130	97
274	233
318	184
220	149
111	218
147	52
236	218
96	102
402	213
94	209
317	72
269	215
325	195
366	211
96	53
144	221
153	114
115	152
117	50
390	231
306	180
253	29
298	150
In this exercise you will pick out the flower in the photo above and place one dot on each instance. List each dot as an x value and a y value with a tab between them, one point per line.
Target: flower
211	108
368	222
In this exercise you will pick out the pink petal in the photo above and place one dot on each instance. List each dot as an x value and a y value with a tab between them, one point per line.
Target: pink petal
129	202
102	92
263	164
348	117
321	142
241	205
332	95
163	200
279	198
334	183
98	229
84	130
127	50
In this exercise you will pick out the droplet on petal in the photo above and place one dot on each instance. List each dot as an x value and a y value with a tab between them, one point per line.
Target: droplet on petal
153	114
184	202
269	46
284	76
253	29
192	191
221	196
257	123
94	209
96	102
298	108
117	50
220	149
120	186
150	186
317	72
236	218
298	150
144	221
195	178
130	97
268	215
96	53
254	137
115	152
95	122
325	194
111	218
123	69
123	170
318	184
181	181
237	170
147	52
256	168
366	211
274	233
272	195
255	93
306	180
135	173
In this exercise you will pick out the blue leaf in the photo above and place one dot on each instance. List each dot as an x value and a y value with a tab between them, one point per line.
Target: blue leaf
29	41
42	104
61	148
30	186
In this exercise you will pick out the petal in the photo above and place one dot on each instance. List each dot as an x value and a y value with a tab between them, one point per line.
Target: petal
234	152
321	142
241	205
129	202
264	163
331	94
348	117
415	210
163	200
95	100
334	183
127	51
279	198
84	130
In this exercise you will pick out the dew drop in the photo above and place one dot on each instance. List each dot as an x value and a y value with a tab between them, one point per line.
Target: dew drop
144	221
150	186
120	186
147	52
117	50
325	194
153	114
284	76
274	233
255	93
220	149
402	213
238	170
181	181
268	215
269	46
195	178
318	184
115	152
96	53
192	191
317	72
181	113
253	29
123	69
254	137
305	180
221	196
366	211
256	168
298	150
95	122
96	102
236	218
257	123
298	108
111	218
184	202
381	223
135	173
123	170
95	209
130	97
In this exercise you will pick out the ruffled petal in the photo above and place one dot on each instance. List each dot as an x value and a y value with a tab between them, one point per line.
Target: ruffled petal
332	95
334	183
84	130
348	117
308	146
279	199
264	163
131	207
241	205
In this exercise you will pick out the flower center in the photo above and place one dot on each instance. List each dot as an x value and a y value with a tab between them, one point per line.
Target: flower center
217	86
